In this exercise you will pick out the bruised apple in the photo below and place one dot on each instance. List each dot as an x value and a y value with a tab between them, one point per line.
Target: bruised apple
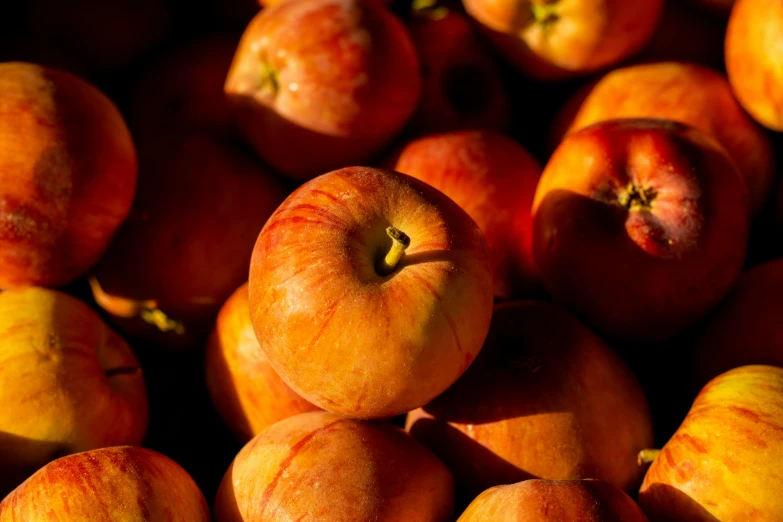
320	465
349	318
67	175
67	383
248	394
640	226
317	85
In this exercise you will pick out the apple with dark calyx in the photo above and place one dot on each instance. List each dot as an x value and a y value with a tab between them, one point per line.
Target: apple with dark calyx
494	180
67	175
725	461
177	259
333	255
558	39
67	383
546	398
324	466
554	501
640	227
317	85
246	391
108	485
688	93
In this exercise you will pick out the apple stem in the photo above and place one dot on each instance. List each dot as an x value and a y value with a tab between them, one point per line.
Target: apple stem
647	456
400	241
156	317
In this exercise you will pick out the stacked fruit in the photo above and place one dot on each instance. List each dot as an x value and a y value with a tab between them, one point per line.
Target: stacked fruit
292	262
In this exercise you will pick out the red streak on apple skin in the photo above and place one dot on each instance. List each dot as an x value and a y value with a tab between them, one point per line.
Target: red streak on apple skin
446	314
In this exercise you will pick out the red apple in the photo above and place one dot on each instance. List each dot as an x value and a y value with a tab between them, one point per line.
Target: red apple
67	175
107	485
246	390
640	226
317	85
493	179
351	320
322	466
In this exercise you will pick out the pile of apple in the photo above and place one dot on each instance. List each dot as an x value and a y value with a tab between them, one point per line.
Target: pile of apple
498	260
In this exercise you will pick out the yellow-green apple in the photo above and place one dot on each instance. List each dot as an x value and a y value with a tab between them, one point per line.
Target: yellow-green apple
753	53
246	390
554	39
67	175
186	247
688	93
349	318
640	226
108	485
493	179
323	466
545	398
537	500
317	85
725	462
462	85
67	383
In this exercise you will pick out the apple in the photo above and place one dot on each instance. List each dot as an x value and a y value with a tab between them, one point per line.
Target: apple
109	484
322	466
688	93
640	227
546	398
493	179
67	175
186	247
67	383
317	85
753	52
725	461
557	39
554	500
350	319
245	389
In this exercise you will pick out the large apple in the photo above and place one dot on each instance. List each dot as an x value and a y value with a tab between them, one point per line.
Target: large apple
349	318
67	383
108	485
546	398
725	462
246	390
493	179
320	466
321	84
688	93
640	226
67	175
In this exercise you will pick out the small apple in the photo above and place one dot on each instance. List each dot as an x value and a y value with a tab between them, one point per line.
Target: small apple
350	319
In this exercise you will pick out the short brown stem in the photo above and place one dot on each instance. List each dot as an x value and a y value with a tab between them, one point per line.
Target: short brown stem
647	456
400	241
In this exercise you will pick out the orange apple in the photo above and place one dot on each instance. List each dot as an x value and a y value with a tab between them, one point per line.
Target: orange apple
67	175
67	383
322	466
349	318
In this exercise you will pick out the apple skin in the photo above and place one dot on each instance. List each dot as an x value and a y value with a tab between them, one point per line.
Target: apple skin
545	398
726	459
106	485
554	40
67	383
552	501
320	465
634	271
494	180
177	259
313	282
336	78
67	175
753	52
688	93
245	389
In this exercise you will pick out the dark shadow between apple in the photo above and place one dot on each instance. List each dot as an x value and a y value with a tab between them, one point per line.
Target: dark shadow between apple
12	447
679	506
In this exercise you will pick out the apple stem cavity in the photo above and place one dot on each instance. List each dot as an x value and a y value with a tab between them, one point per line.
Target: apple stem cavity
545	12
647	456
156	317
269	80
400	241
637	198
